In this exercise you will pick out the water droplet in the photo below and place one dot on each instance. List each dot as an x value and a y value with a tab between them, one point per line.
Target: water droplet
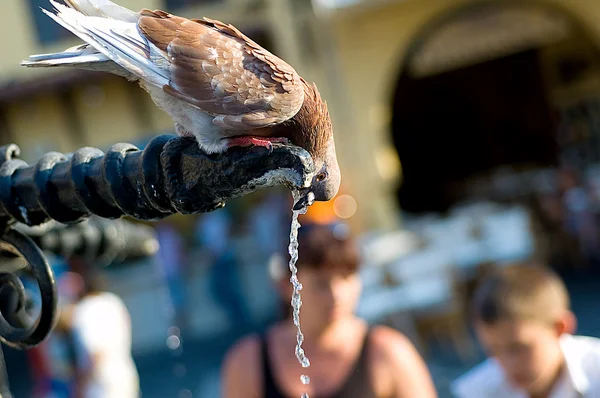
305	395
305	379
296	300
173	342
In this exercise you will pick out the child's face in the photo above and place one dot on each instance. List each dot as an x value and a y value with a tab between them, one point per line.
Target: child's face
528	351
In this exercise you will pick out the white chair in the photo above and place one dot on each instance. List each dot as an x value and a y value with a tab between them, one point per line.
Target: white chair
508	236
372	277
429	290
469	255
379	299
375	305
416	224
383	248
389	305
475	210
456	235
425	276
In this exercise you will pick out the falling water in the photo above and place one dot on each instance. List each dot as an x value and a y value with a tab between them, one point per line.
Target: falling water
297	286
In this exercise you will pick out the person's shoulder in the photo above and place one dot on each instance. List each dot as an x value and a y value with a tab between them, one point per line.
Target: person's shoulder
241	366
109	296
583	355
101	297
100	305
246	349
386	342
585	349
104	300
479	381
584	342
396	363
384	337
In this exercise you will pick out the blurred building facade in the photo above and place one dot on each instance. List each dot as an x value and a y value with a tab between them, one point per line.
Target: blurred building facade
390	71
460	89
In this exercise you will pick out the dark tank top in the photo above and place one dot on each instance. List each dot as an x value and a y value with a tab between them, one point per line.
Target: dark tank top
357	385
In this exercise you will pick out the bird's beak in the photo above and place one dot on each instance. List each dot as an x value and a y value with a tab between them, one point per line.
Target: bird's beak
307	199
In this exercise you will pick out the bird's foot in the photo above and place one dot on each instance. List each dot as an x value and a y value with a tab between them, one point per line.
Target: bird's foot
266	142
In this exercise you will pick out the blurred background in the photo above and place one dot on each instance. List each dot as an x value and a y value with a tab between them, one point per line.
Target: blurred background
468	133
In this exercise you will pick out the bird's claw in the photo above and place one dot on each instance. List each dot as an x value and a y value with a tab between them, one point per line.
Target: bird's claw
246	141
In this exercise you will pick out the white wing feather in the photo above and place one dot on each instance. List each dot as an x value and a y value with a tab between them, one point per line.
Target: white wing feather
119	41
103	8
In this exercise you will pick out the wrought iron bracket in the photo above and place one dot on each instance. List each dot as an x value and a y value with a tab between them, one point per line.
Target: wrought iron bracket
16	328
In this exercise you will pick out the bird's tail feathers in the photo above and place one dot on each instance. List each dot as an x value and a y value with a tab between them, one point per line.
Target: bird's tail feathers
70	56
108	40
80	57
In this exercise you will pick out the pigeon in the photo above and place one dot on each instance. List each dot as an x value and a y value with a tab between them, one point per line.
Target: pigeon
217	84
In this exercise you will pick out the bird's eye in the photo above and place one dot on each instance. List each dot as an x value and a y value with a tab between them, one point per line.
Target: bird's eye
321	176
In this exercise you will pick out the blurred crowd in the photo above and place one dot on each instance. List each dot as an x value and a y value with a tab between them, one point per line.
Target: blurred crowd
375	307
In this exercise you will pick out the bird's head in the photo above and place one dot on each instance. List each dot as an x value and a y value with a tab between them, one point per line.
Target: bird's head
326	182
317	137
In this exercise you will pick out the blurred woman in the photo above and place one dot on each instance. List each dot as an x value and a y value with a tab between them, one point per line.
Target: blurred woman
348	358
100	326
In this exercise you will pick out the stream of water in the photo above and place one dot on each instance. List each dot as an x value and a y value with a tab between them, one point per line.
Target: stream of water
297	287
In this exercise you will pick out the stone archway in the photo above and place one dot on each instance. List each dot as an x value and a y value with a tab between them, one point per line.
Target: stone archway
484	31
473	95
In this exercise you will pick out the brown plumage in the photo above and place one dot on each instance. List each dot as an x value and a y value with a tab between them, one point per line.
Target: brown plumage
216	83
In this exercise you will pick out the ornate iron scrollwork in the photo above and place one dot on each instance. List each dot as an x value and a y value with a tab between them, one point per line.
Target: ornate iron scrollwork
16	328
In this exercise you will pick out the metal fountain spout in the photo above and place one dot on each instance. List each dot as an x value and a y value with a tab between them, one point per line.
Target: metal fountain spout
170	175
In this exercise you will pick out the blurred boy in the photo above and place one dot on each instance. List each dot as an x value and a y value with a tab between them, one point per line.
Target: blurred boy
522	319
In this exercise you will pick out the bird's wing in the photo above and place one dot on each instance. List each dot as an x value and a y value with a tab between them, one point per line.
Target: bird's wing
216	68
